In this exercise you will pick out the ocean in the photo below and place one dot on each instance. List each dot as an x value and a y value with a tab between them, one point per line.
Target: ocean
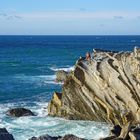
27	79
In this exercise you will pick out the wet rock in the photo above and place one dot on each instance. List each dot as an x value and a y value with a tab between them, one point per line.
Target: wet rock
125	130
70	137
116	130
134	134
108	138
47	137
19	112
4	134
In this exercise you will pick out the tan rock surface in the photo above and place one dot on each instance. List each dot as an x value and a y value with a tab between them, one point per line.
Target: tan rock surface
105	88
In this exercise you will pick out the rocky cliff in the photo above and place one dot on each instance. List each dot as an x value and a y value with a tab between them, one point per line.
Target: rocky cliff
104	88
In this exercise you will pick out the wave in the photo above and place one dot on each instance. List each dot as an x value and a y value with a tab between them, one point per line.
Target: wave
67	69
45	79
22	76
24	128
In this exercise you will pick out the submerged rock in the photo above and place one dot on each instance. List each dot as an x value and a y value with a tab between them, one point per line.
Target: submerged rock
4	134
105	88
19	112
47	137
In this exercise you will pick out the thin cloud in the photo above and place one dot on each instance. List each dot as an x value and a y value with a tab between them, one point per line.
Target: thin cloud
138	17
18	17
9	17
13	17
101	25
83	9
79	14
118	17
3	14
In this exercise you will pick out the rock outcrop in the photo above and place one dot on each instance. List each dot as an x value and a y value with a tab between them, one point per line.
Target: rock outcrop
61	76
19	112
105	88
4	134
47	137
128	132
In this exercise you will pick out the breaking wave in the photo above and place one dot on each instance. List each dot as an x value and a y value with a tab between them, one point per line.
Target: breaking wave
24	128
67	69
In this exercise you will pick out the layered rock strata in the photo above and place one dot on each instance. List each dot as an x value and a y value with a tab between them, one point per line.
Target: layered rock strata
105	88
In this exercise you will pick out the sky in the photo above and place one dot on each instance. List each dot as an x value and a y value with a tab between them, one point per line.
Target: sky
69	17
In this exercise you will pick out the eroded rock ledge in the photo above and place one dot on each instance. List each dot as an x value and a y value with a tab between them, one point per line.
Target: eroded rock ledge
106	88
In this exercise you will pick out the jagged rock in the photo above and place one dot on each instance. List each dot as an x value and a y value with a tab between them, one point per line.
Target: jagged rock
70	137
114	133
105	88
108	138
19	112
116	130
55	104
61	76
125	131
4	135
134	134
47	137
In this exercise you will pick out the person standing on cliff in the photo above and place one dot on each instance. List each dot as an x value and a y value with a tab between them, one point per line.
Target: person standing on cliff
88	56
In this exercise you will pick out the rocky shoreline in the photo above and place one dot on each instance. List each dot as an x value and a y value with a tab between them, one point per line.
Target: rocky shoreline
105	88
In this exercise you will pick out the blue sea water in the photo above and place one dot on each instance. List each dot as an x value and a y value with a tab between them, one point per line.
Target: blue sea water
27	79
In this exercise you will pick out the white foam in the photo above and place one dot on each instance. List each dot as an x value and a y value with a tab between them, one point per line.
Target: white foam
39	79
22	76
26	127
67	69
54	82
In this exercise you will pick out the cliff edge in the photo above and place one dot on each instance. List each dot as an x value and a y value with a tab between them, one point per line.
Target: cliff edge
105	88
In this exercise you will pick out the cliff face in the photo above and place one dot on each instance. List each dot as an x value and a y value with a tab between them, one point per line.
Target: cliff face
105	88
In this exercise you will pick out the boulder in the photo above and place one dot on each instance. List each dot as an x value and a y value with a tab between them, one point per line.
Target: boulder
4	134
116	130
47	137
70	137
19	112
134	134
108	138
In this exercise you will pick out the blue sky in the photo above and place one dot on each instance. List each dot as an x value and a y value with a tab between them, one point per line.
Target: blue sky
70	17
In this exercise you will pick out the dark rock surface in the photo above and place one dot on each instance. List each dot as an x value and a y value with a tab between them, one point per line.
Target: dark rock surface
4	134
116	130
128	132
70	137
47	137
19	112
